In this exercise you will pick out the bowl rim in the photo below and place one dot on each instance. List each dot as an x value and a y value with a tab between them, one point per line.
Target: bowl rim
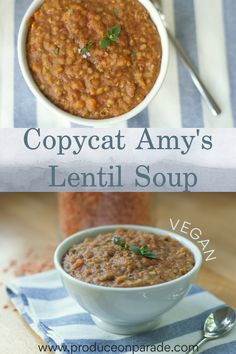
64	246
22	59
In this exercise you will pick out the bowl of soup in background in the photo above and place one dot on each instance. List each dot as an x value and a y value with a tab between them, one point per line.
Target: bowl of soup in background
51	68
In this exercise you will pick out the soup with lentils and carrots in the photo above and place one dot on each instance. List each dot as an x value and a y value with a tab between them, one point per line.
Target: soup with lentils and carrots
94	58
128	258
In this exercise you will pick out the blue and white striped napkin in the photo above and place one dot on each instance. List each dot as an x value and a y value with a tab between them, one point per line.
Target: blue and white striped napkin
207	31
58	320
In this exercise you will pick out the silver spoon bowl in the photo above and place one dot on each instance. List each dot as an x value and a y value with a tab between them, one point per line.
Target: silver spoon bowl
217	324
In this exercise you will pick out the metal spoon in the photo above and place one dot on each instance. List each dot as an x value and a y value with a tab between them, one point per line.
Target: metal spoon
209	100
217	325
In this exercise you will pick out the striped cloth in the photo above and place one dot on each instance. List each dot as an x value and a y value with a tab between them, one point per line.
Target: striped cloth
207	31
58	320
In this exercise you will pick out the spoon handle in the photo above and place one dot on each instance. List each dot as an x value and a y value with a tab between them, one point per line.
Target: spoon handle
204	92
198	345
202	89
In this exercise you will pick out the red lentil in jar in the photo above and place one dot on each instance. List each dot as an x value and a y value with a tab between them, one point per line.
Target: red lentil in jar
79	211
94	58
128	258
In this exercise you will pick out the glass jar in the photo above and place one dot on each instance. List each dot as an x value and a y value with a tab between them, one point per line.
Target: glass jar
79	211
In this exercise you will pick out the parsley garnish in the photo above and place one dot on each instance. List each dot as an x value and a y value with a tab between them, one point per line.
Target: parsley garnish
86	49
143	251
113	35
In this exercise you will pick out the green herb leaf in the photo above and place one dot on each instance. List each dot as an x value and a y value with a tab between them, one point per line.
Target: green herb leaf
150	255
144	251
135	250
104	42
147	253
114	33
86	50
119	242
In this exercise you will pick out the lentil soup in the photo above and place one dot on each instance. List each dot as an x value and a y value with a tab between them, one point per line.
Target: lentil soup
94	58
138	259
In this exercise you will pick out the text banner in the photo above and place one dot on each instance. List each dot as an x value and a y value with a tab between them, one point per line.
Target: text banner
156	160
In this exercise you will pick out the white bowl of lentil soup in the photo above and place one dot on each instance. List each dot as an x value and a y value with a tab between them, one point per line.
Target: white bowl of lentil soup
93	62
127	276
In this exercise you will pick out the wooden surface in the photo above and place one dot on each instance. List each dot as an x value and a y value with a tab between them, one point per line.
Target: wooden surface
30	221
